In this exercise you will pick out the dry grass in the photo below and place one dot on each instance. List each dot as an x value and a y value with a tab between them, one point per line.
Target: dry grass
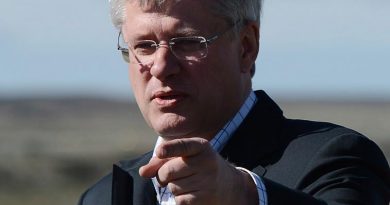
51	150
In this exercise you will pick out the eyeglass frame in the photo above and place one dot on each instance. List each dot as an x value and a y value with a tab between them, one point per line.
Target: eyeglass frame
208	41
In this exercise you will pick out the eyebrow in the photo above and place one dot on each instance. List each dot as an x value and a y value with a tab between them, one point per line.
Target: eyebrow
186	32
179	32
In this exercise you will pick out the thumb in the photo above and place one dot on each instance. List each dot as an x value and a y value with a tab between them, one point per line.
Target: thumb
150	170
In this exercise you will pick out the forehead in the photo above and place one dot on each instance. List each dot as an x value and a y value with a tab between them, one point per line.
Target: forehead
184	16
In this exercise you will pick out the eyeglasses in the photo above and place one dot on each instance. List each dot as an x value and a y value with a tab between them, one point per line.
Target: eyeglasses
189	48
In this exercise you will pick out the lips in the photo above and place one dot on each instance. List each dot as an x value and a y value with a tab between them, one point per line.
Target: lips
168	98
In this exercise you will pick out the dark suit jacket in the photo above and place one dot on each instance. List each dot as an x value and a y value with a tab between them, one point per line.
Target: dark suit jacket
301	162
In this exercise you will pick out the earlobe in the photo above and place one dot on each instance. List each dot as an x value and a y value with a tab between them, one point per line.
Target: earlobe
249	38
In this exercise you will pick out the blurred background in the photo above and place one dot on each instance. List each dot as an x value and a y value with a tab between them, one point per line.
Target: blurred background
66	106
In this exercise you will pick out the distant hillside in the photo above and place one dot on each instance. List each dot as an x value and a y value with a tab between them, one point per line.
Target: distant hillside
53	146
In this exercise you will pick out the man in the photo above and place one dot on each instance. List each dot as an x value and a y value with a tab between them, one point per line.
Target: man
190	67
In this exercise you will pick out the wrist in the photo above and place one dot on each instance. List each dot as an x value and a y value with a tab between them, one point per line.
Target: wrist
240	188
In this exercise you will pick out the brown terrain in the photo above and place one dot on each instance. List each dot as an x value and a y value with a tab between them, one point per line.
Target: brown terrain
51	150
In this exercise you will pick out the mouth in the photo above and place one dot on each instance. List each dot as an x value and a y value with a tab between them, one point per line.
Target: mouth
168	99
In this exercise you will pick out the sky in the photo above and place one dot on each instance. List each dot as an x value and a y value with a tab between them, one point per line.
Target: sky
309	49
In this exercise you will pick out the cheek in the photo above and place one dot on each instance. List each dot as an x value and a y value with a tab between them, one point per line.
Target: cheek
139	93
139	84
138	87
221	80
216	74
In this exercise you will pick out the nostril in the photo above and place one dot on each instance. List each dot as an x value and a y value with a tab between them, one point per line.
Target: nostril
165	65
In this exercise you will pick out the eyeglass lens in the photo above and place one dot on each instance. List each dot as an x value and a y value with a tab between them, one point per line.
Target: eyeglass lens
184	48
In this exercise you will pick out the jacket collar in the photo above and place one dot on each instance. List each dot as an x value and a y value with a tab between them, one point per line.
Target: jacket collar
258	136
127	184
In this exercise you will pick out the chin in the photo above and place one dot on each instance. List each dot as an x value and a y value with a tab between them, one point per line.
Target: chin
172	132
171	125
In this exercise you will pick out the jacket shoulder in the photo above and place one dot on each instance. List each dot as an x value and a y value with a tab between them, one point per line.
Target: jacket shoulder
312	143
331	162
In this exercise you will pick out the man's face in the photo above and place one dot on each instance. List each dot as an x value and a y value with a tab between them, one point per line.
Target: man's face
186	98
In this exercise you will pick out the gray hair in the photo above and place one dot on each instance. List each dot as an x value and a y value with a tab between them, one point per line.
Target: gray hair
231	10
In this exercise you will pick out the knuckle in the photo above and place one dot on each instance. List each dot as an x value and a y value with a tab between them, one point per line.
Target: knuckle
170	173
184	145
173	188
185	200
163	150
165	174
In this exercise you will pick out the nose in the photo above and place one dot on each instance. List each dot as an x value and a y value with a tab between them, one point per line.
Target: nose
165	63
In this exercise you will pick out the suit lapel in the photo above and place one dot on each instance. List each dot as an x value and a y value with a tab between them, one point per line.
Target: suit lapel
144	193
122	186
258	136
127	184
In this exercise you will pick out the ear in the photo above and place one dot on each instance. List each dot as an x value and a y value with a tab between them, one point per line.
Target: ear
249	39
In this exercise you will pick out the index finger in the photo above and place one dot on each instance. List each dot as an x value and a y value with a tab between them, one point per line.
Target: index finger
185	147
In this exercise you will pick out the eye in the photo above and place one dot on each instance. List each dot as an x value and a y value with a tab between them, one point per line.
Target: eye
189	48
188	44
145	47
